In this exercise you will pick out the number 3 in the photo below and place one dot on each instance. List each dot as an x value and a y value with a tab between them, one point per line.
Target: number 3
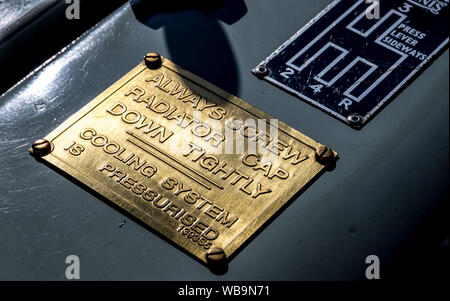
406	8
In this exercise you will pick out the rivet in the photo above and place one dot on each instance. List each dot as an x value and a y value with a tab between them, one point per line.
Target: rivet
355	120
153	60
41	147
261	71
324	154
215	255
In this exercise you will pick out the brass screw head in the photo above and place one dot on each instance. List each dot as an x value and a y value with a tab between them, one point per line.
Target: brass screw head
324	154
215	255
153	60
41	147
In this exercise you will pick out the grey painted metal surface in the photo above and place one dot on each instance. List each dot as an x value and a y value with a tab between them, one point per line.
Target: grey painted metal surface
14	14
391	177
32	31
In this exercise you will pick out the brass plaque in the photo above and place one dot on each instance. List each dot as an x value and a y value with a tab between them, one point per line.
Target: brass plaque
199	165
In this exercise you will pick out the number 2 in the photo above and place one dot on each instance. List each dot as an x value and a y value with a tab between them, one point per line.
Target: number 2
289	71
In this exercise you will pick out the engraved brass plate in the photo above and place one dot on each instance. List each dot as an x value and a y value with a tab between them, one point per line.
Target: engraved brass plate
199	165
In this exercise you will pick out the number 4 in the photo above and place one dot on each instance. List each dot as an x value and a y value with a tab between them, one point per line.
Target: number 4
316	88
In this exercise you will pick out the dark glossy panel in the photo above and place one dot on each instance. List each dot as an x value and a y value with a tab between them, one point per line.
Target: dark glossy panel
41	30
15	14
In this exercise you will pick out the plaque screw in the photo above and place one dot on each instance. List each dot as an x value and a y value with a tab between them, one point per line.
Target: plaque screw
324	154
355	120
215	256
261	71
41	147
153	60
